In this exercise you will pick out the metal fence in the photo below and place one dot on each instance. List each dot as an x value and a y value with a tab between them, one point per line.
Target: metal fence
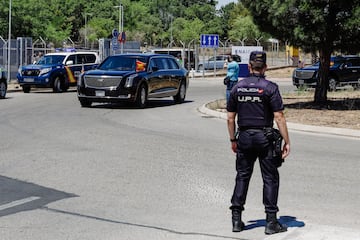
24	50
14	56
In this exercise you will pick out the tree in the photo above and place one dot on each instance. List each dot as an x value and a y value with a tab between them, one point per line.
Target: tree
153	21
187	30
225	13
244	28
323	25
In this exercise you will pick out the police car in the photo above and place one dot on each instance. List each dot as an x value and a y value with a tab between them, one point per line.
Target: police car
58	71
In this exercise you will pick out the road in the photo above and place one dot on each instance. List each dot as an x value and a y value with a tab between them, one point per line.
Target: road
165	172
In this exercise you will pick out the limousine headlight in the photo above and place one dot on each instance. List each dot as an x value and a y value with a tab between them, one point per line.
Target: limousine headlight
130	80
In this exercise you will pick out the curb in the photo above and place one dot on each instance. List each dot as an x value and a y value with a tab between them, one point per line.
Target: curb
13	87
208	109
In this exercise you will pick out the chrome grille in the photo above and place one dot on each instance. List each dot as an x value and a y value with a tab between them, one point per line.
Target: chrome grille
31	72
102	81
304	74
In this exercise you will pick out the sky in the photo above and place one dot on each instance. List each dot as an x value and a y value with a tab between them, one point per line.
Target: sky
224	2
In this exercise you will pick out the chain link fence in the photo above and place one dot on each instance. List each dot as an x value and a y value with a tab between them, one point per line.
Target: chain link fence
25	50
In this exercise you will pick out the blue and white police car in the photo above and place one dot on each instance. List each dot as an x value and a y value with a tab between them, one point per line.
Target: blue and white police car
58	70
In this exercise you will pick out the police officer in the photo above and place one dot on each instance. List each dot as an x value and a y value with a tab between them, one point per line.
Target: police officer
257	103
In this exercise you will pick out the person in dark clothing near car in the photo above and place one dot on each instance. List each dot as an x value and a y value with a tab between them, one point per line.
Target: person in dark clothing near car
257	103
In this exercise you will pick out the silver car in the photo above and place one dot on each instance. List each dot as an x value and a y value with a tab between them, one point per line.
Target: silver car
219	62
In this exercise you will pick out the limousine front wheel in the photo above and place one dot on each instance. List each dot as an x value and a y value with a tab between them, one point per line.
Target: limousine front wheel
3	89
141	97
180	96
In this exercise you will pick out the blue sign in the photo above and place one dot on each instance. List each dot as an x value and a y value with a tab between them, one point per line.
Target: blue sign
115	44
209	40
115	33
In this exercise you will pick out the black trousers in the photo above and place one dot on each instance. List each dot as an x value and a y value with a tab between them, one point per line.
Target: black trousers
253	144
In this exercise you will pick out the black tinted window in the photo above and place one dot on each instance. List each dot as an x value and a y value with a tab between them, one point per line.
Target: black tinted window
172	63
159	63
122	63
165	63
51	59
90	58
354	62
85	58
152	64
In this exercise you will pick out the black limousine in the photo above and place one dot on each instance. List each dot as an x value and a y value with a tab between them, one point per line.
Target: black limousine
133	78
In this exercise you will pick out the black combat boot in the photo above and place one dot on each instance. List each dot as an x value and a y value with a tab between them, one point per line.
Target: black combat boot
238	225
273	225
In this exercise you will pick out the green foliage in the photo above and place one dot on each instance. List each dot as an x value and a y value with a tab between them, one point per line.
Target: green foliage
187	30
315	25
244	27
311	24
154	21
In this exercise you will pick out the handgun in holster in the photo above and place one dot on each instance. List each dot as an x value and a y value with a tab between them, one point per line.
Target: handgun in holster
274	137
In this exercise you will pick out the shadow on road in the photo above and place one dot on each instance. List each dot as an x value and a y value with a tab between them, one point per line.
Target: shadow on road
18	196
287	220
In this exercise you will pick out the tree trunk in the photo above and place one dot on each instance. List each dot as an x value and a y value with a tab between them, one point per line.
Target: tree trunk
322	85
314	57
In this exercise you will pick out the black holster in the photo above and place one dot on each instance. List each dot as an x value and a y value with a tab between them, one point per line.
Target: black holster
275	138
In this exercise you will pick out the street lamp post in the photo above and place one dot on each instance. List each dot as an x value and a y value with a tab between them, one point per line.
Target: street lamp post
189	55
170	17
86	14
171	29
9	44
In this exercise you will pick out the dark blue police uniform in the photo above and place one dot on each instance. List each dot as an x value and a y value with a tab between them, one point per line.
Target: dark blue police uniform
255	99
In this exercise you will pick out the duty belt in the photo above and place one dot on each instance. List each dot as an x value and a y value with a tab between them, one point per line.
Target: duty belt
252	128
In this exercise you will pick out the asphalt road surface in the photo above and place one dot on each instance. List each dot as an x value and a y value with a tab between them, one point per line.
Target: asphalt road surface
114	172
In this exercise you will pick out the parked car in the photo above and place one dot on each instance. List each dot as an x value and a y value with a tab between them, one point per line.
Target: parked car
3	82
219	62
56	70
134	78
344	70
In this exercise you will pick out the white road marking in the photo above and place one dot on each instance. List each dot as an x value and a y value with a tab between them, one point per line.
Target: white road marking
18	202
